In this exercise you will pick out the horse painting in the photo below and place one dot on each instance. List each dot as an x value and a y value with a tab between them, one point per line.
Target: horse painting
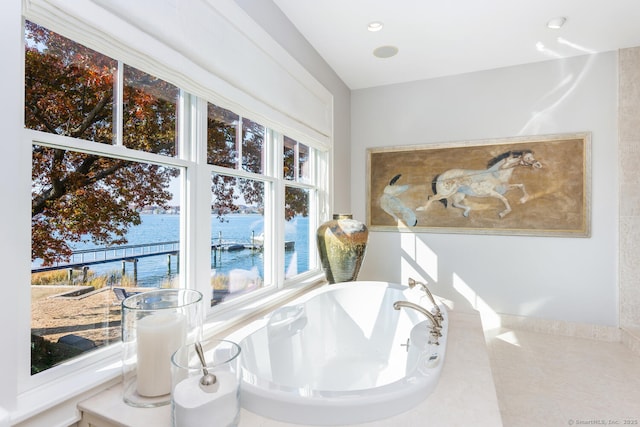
391	204
456	184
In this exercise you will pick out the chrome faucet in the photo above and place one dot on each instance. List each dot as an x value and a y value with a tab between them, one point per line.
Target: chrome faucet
438	313
435	324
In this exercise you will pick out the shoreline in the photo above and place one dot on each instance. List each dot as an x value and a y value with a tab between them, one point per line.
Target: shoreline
94	316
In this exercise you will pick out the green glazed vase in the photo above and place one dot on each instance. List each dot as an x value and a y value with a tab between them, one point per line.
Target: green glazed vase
342	242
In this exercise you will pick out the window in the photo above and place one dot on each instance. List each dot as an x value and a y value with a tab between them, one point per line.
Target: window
237	237
91	239
149	113
297	231
238	194
115	208
296	158
97	219
222	130
300	201
68	87
252	146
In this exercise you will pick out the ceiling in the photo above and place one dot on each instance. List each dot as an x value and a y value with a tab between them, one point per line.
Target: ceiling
448	37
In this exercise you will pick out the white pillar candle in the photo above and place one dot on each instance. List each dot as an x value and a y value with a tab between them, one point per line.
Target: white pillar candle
158	337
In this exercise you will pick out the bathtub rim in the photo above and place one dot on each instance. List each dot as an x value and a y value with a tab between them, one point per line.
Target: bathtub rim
416	375
341	407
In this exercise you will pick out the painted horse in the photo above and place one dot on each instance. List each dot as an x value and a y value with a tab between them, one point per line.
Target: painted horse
391	204
456	184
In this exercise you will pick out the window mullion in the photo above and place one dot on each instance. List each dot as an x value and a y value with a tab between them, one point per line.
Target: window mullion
187	138
198	204
296	162
275	147
239	136
186	126
118	105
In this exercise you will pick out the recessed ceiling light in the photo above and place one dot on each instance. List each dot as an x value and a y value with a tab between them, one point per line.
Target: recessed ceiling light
385	51
375	26
556	23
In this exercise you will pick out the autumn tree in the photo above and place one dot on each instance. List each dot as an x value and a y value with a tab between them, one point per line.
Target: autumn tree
78	196
296	199
75	195
222	150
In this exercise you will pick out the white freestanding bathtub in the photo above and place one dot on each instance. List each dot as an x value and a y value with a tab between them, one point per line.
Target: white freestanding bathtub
339	355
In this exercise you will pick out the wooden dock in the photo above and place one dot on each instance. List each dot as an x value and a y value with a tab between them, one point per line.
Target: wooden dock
127	253
81	259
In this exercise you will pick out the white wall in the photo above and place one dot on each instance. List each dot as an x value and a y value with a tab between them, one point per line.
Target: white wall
572	279
271	18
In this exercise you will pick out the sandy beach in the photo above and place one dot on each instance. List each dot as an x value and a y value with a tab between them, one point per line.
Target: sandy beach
94	315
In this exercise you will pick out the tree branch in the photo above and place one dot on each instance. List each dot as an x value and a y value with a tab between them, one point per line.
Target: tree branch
89	119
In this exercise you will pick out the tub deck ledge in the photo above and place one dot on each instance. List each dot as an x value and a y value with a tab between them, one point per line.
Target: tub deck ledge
465	394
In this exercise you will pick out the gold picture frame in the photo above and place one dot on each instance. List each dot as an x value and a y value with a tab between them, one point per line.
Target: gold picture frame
529	185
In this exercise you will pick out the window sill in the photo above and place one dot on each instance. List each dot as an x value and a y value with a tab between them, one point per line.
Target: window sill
56	403
227	318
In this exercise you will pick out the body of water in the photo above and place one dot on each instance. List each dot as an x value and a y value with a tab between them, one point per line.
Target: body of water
239	228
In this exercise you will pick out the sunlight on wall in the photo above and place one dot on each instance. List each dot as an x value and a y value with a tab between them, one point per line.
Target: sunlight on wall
419	261
542	48
490	319
557	95
576	46
509	337
562	41
428	259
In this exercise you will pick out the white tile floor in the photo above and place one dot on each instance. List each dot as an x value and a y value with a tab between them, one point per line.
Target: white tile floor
550	380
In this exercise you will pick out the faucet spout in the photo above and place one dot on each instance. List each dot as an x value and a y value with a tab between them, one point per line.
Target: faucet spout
419	308
435	324
413	283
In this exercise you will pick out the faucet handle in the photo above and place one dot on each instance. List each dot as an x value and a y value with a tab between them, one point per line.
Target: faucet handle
434	335
438	313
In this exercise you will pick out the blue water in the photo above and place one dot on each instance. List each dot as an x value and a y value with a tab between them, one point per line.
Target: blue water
152	271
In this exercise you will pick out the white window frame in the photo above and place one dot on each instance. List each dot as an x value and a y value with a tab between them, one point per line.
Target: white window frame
101	367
